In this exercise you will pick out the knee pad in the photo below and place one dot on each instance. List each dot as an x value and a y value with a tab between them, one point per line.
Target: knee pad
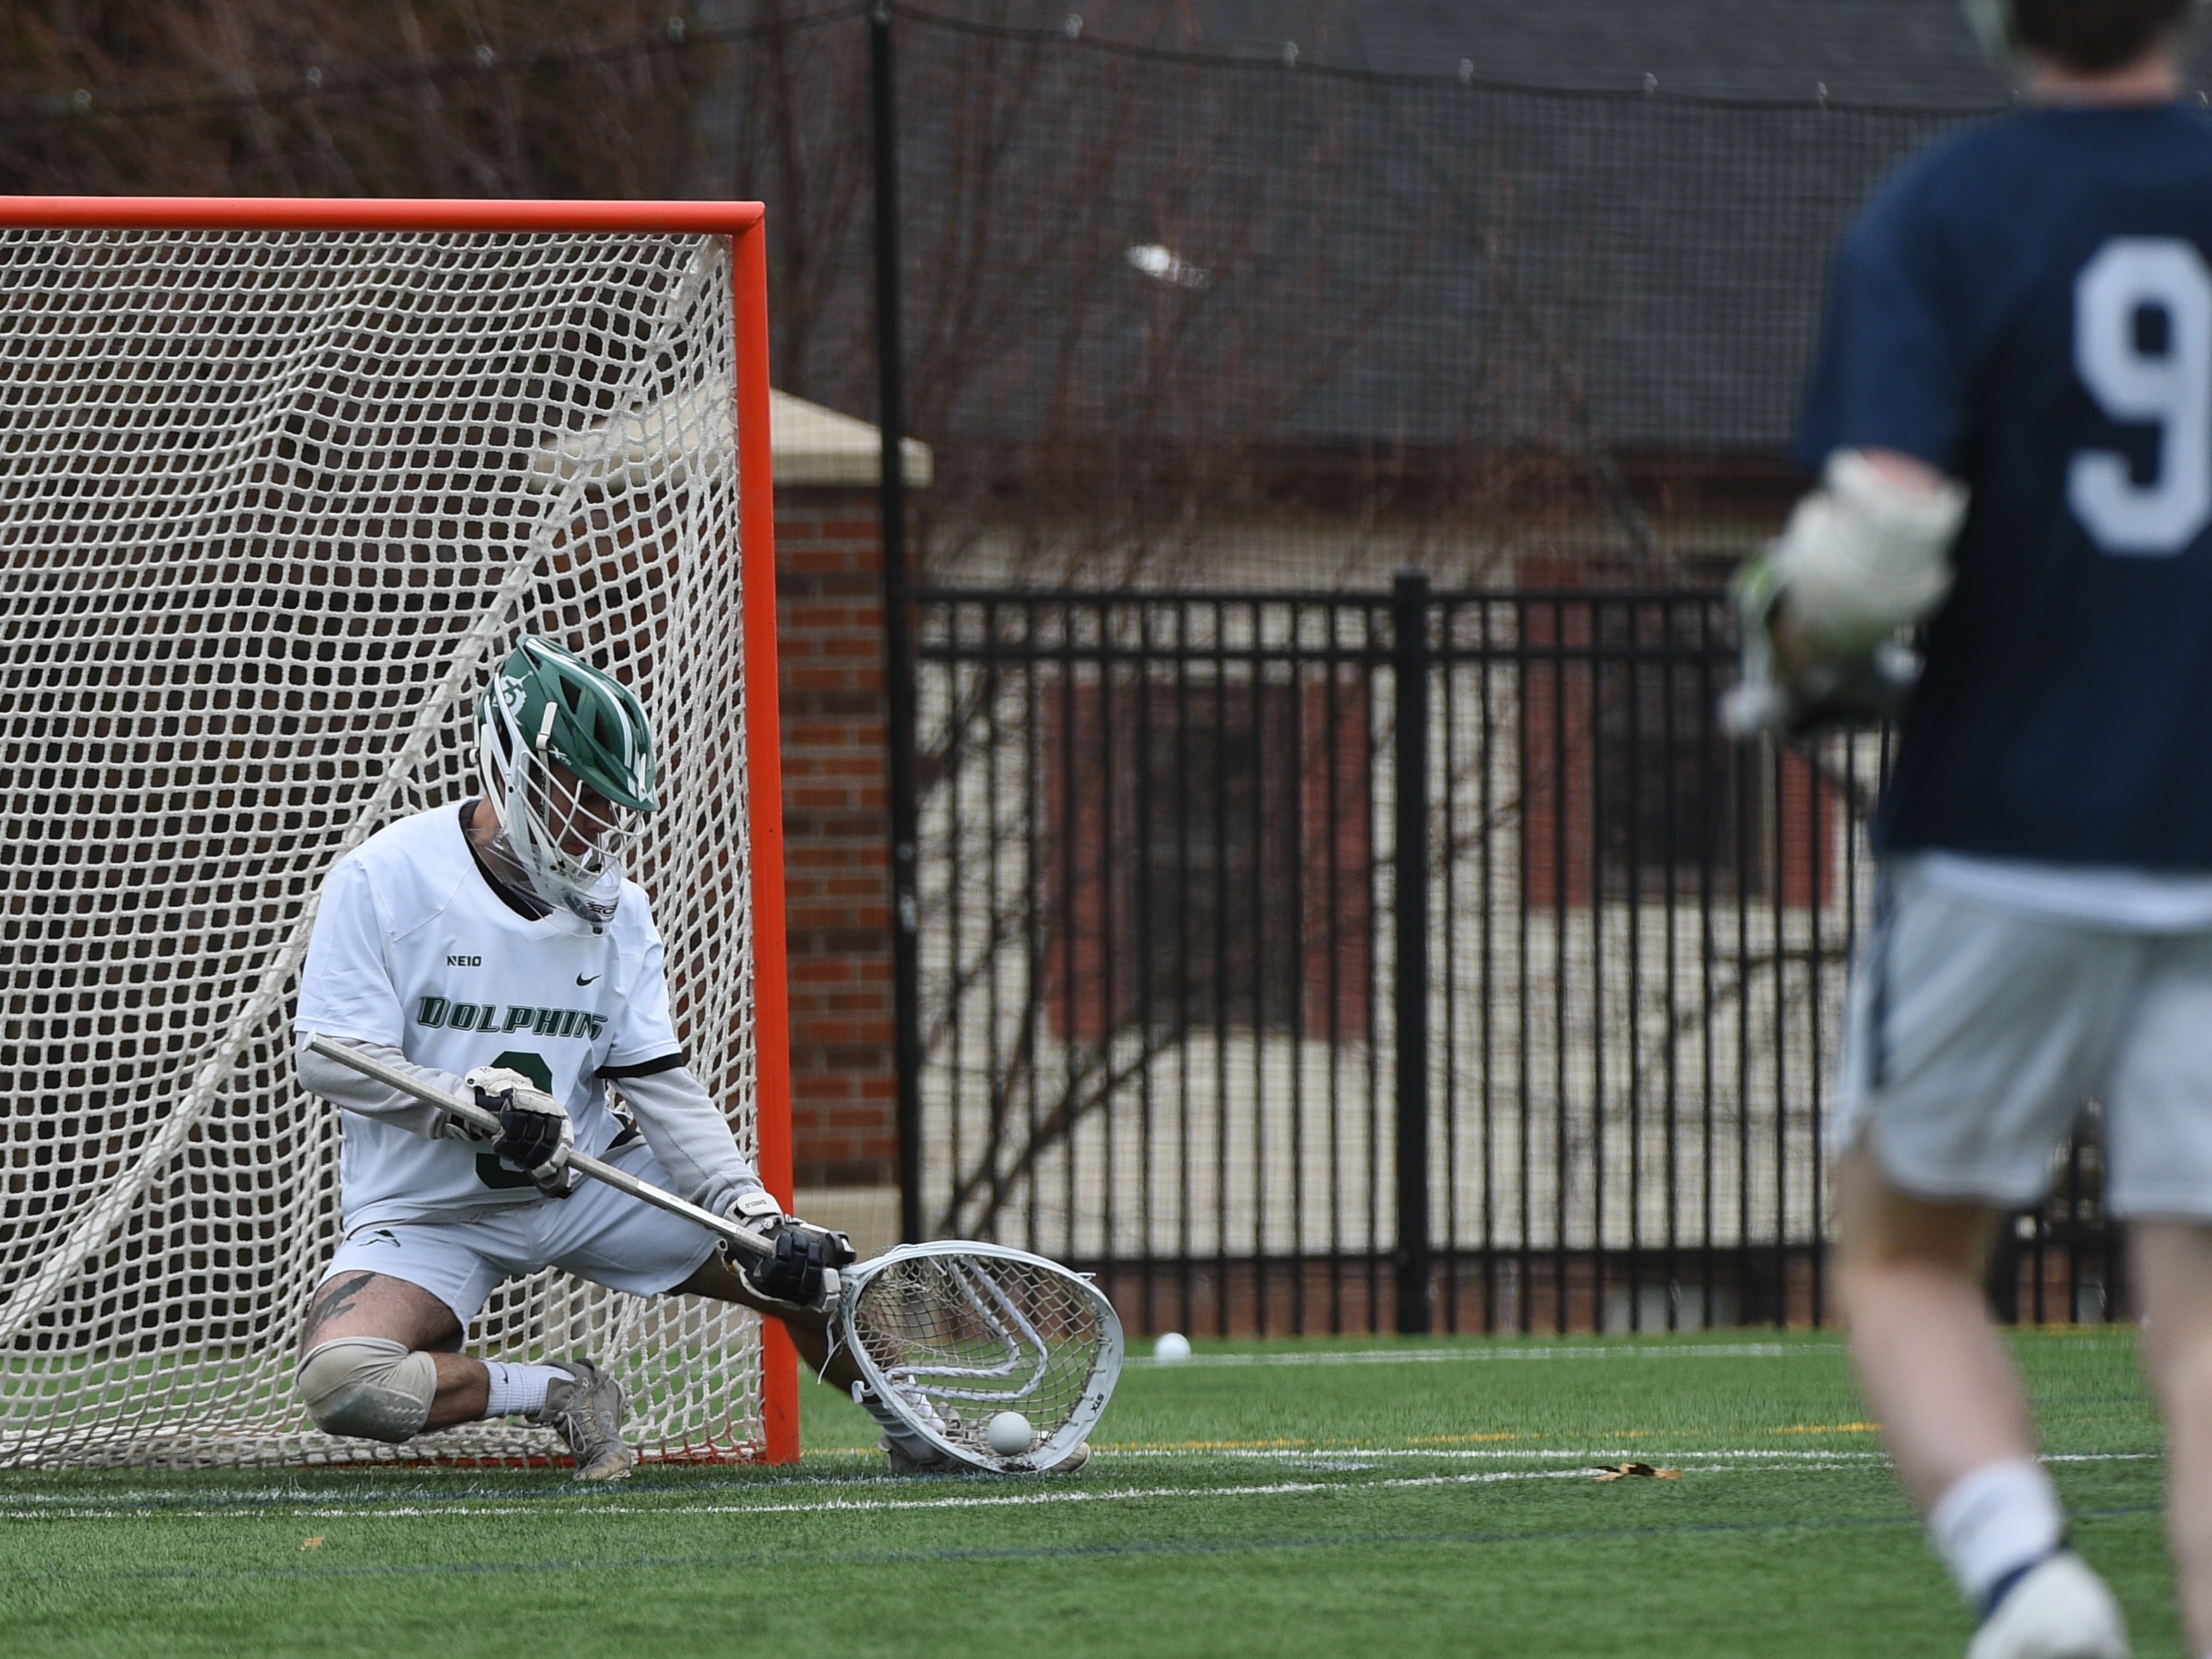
367	1388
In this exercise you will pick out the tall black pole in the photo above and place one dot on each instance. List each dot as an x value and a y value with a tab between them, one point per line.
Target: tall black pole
898	650
1410	606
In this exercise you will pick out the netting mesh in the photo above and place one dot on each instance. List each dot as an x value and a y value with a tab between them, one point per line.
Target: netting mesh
980	1334
270	504
1208	322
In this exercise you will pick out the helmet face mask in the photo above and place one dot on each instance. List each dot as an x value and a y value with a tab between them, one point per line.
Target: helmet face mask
567	763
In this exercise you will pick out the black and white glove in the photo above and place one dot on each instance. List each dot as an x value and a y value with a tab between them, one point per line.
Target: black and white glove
535	1134
797	1274
1811	688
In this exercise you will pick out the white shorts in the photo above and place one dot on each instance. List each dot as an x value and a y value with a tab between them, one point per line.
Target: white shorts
595	1233
1975	1031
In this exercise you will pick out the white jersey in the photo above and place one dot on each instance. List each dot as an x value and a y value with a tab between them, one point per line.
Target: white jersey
412	949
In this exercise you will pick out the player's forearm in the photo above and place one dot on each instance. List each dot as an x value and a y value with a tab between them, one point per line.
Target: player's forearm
343	1086
690	1137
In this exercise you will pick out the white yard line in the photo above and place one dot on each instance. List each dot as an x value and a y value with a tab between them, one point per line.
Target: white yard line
72	1507
827	1505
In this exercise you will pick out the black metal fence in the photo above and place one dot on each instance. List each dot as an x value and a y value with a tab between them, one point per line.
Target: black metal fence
1340	962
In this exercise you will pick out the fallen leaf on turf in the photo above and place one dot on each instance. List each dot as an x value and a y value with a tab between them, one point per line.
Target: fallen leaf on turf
312	1544
1645	1471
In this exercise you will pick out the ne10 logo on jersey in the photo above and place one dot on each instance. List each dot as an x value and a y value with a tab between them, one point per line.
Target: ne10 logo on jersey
438	1011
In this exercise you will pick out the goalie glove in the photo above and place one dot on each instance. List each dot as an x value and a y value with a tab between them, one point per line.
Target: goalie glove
535	1134
1827	687
802	1274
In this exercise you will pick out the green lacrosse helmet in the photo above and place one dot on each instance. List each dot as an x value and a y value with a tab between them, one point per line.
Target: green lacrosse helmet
547	709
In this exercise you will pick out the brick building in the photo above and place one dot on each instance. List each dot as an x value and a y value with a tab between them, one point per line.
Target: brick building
829	546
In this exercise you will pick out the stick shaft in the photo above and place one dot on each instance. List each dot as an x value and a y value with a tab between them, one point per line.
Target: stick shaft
476	1117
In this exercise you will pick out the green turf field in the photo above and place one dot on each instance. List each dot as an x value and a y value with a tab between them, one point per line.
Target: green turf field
1346	1499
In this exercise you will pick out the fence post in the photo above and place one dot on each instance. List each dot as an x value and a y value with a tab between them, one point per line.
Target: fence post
898	654
1410	767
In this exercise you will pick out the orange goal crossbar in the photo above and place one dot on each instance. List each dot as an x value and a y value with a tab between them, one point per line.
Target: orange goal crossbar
742	222
383	213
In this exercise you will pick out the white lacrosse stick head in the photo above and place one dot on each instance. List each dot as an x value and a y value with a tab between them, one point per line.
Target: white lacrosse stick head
949	1334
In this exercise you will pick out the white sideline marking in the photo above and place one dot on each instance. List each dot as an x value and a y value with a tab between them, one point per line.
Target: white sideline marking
72	1507
1439	1356
816	1506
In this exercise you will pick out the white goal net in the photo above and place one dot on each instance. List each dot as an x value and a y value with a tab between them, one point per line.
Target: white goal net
271	502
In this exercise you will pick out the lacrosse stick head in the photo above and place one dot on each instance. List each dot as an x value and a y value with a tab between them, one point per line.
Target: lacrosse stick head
949	1334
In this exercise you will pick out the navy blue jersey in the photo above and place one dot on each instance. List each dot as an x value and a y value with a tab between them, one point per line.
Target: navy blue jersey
2028	308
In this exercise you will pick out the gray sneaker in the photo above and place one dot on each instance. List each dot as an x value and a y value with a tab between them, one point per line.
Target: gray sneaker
587	1415
1071	1464
903	1462
910	1453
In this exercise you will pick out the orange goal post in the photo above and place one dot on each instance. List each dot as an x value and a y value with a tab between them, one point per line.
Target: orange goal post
280	481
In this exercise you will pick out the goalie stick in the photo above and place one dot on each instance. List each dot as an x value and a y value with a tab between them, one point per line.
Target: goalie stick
952	1335
947	1335
486	1125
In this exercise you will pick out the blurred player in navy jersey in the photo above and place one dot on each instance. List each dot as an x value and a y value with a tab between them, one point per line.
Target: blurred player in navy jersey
2012	422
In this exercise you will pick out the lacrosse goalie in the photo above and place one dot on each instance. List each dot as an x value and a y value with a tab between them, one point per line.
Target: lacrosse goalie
496	951
2011	418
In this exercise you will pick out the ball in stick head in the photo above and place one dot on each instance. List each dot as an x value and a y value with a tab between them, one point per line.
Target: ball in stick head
1172	1349
1009	1434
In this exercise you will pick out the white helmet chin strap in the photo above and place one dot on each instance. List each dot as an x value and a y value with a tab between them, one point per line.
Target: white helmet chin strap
597	904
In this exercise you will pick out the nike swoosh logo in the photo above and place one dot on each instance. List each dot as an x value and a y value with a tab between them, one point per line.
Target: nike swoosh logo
580	980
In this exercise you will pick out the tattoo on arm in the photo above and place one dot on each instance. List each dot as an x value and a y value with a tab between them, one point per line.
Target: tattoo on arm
336	1299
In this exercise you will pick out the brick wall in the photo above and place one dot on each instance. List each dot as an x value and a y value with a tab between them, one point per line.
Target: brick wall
835	802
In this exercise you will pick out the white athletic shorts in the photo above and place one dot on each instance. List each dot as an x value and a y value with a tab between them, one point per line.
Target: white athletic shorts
1975	1031
595	1233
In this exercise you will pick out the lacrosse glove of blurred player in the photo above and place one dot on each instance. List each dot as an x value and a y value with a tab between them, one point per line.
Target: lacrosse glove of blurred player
1821	609
1793	686
535	1134
799	1274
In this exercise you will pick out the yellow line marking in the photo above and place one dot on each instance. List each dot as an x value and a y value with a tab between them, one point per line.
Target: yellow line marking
1300	1445
1211	1445
1495	1438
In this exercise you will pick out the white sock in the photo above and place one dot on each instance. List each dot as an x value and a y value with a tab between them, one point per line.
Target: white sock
2001	1517
519	1390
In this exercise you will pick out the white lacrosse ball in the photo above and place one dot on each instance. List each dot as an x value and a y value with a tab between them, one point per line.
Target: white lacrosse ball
1009	1434
1172	1349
